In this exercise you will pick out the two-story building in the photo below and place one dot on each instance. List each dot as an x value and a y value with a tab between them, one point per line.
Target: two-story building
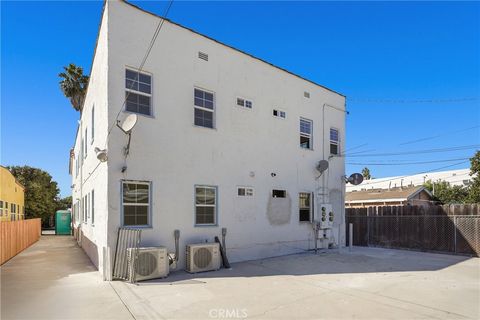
223	140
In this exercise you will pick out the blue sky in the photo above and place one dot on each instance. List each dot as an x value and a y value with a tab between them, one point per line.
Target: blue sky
390	59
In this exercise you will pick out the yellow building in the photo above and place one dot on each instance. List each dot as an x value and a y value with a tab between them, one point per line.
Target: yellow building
12	197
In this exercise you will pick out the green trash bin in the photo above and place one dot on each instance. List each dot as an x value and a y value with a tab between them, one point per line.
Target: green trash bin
63	219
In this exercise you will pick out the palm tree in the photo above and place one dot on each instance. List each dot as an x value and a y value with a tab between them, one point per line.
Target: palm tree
74	85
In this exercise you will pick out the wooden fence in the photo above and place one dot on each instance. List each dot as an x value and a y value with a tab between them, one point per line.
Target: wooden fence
16	236
448	228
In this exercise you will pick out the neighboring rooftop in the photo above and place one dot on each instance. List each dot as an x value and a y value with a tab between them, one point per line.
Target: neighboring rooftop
460	177
399	194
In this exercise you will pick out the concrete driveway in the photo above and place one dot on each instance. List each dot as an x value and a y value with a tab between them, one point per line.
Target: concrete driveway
367	284
54	279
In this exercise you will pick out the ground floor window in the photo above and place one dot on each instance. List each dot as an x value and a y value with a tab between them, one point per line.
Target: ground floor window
136	203
305	206
205	205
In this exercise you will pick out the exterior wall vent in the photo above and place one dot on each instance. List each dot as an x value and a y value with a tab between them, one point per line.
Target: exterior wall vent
306	94
203	55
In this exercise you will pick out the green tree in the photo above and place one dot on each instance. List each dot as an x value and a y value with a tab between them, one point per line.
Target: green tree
474	188
41	192
366	173
74	84
64	203
446	193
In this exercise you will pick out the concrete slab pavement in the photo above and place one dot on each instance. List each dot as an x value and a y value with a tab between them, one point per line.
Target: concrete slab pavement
367	284
54	279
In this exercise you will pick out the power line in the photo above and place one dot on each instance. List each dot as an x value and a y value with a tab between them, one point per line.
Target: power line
457	148
149	49
404	163
438	136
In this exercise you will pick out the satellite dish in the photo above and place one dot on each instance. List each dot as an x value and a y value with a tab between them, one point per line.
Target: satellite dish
128	124
101	154
322	166
355	179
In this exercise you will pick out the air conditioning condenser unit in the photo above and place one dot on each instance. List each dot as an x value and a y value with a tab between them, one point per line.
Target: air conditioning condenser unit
203	257
150	263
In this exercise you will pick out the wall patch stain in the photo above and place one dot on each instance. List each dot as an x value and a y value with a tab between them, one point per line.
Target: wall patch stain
279	210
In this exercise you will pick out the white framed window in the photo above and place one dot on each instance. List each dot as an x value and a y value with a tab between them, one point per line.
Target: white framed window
279	113
204	108
245	191
245	103
6	209
136	203
93	124
304	206
86	144
306	133
334	141
138	92
205	205
1	208
88	206
92	196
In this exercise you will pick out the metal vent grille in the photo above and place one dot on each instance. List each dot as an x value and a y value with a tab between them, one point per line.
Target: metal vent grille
146	263
306	94
202	258
203	55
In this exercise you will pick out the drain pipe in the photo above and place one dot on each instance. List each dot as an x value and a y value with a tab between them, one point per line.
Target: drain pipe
173	258
224	234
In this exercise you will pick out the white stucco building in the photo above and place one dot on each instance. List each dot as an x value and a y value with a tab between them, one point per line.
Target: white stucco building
223	139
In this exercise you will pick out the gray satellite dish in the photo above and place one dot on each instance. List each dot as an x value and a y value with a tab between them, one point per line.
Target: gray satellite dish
355	179
128	124
322	166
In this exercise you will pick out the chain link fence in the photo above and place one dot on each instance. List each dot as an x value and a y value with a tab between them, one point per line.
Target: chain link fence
458	234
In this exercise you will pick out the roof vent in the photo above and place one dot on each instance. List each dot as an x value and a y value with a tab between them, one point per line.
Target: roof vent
203	55
306	94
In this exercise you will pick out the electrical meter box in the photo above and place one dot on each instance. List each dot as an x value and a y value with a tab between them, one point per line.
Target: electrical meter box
325	216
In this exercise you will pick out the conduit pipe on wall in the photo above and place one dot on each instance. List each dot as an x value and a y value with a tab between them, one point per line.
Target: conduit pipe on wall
173	258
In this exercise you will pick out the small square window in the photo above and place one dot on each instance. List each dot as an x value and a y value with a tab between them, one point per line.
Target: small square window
279	193
279	113
245	192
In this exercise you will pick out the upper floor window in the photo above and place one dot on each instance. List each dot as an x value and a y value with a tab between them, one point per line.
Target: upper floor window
244	103
136	203
279	193
306	133
86	143
138	92
93	124
204	106
334	141
279	113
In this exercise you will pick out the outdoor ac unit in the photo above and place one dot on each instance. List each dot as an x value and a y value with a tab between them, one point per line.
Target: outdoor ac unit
151	263
203	257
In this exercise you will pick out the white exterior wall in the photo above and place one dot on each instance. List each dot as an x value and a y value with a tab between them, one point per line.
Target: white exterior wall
92	175
174	155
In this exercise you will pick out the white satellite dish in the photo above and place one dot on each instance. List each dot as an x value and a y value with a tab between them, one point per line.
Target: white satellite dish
128	123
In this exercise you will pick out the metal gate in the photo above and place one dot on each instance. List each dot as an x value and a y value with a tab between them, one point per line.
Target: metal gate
127	238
